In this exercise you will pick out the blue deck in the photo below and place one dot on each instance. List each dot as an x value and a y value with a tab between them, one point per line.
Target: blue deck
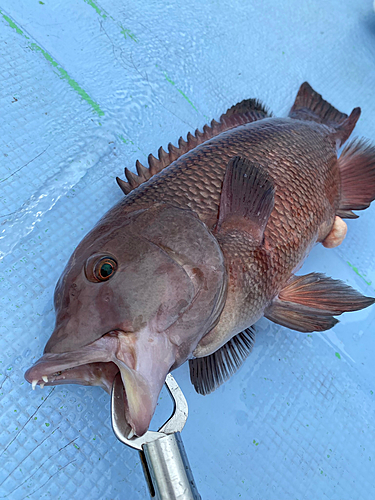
86	88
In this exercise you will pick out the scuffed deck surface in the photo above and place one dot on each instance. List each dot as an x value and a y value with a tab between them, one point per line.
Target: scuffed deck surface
88	87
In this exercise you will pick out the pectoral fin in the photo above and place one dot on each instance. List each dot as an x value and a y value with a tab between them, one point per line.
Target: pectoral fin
309	303
247	198
209	372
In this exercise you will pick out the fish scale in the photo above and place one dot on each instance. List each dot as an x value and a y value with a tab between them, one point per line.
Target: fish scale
300	190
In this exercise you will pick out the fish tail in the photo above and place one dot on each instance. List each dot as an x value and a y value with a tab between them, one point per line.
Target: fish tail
357	171
309	105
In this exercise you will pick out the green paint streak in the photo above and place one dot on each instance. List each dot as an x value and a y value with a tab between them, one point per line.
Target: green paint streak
64	75
358	273
254	442
41	3
179	90
47	424
128	33
372	393
126	141
337	355
98	9
13	25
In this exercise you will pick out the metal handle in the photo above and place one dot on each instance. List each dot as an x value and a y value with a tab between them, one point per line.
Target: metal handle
169	469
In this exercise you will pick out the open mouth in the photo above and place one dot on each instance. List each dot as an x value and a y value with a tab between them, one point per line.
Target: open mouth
94	364
96	373
97	364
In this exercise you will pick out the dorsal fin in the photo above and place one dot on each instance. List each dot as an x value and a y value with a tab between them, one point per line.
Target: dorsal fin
310	106
208	373
246	111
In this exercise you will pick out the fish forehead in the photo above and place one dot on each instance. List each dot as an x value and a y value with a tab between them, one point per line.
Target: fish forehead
127	234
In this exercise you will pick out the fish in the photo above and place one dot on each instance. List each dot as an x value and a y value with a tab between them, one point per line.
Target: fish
207	240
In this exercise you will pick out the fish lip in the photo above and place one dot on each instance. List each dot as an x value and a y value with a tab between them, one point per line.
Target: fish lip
100	363
143	361
56	366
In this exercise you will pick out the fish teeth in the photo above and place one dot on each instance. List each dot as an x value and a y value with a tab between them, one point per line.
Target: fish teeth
131	434
41	385
34	384
45	378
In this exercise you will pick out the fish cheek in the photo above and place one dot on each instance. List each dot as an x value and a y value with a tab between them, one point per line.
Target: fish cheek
108	308
152	290
167	314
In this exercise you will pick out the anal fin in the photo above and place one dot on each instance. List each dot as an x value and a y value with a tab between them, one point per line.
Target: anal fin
309	303
209	372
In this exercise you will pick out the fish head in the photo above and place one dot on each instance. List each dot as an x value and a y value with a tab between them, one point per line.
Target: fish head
137	295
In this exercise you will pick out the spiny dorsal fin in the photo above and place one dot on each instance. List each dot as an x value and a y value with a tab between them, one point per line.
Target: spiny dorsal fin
309	105
247	198
208	373
309	303
246	111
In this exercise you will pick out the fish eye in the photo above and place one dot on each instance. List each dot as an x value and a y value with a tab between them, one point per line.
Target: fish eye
105	268
100	268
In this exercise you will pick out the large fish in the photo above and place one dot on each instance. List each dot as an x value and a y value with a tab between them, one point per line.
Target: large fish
206	242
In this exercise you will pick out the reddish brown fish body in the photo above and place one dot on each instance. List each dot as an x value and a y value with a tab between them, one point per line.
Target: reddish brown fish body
301	159
205	243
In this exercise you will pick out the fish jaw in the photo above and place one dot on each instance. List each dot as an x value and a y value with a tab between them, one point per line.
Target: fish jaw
143	361
144	375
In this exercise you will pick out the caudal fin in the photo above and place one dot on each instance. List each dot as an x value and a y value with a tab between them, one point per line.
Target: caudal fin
357	170
309	105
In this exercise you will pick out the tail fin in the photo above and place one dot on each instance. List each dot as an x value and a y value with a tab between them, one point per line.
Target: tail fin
357	170
309	105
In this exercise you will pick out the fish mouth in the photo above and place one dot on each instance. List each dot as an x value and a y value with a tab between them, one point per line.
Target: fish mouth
97	364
